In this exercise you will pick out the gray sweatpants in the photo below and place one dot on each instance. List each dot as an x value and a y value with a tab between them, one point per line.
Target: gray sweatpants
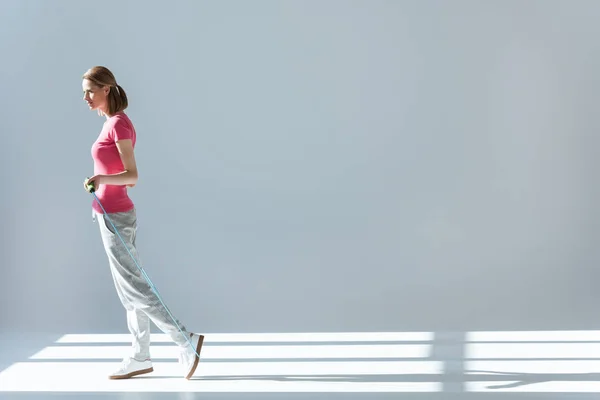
136	295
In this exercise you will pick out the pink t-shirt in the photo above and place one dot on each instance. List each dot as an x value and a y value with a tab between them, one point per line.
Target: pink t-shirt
107	160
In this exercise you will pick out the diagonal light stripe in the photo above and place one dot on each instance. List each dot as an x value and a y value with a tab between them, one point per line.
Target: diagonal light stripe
568	376
532	367
533	336
533	350
226	377
309	368
243	352
262	337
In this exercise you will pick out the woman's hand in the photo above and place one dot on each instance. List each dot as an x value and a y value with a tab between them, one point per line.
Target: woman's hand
94	181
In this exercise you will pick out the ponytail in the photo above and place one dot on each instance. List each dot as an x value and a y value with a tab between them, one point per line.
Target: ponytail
117	99
102	76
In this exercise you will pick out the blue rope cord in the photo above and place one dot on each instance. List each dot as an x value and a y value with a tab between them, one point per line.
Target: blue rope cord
146	276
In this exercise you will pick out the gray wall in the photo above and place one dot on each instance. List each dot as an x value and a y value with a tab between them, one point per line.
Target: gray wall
310	165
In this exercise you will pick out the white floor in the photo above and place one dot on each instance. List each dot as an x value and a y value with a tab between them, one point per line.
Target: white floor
357	365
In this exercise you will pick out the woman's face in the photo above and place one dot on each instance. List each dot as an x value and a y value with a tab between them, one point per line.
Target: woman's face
95	96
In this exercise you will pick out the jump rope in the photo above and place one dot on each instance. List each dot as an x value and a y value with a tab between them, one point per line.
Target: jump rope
90	188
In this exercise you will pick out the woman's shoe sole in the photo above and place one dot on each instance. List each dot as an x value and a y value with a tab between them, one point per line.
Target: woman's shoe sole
198	348
131	374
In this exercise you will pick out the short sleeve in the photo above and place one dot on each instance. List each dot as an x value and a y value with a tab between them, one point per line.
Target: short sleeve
120	131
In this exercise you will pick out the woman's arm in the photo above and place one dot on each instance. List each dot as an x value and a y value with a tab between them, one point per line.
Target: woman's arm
129	176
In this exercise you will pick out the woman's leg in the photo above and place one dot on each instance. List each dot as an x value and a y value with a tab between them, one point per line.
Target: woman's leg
132	286
136	293
139	326
138	323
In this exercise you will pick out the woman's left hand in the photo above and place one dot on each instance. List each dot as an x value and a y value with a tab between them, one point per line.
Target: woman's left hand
95	180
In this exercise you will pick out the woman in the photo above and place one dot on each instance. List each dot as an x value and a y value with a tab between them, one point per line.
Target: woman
114	170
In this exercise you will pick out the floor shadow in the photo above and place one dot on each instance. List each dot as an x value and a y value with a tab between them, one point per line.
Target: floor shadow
517	379
447	349
523	379
313	378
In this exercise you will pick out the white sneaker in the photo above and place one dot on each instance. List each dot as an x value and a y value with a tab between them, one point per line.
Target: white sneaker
187	356
132	367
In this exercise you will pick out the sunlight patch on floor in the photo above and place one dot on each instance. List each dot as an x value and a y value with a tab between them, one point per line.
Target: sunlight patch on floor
528	362
336	337
290	362
245	352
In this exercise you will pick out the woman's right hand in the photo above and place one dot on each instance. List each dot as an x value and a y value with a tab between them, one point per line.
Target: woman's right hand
85	184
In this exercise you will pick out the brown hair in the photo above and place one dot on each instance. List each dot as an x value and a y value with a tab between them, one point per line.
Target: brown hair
102	76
